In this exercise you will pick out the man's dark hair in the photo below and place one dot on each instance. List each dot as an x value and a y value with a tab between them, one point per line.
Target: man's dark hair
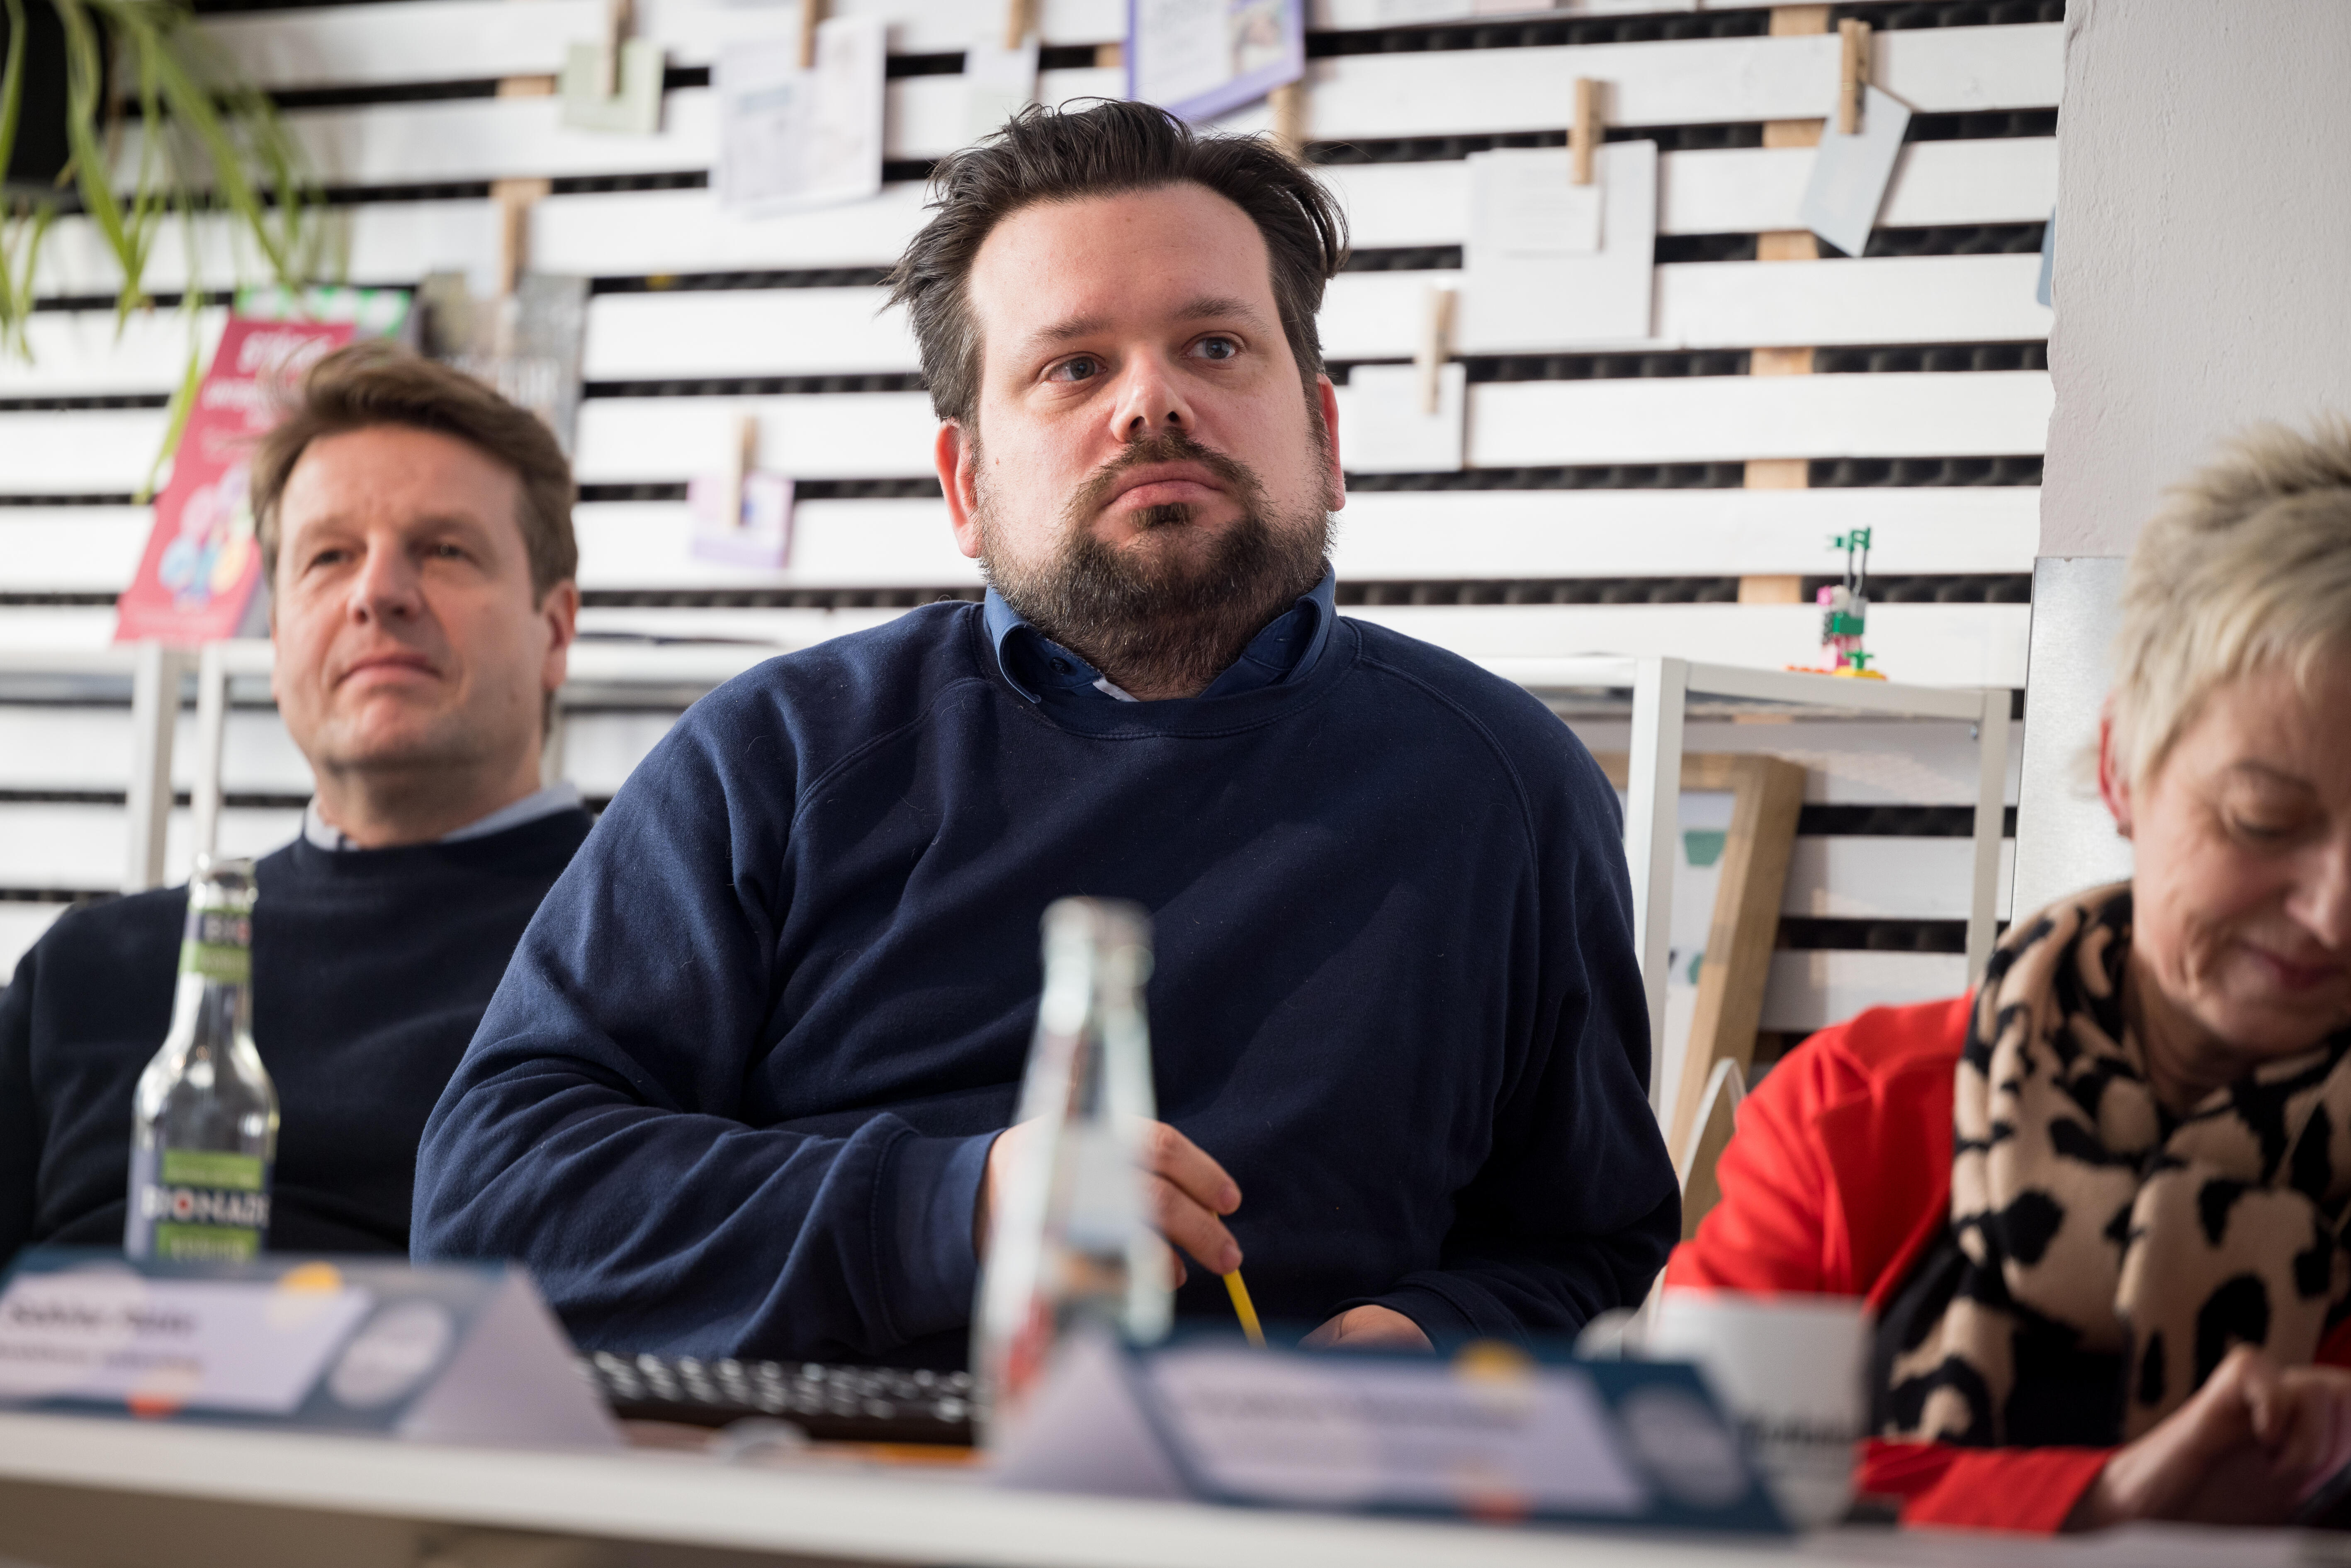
1048	155
373	382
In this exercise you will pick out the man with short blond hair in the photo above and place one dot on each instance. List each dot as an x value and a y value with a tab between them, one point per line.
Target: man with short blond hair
417	530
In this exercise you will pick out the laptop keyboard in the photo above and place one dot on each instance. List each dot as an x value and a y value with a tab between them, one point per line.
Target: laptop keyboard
830	1403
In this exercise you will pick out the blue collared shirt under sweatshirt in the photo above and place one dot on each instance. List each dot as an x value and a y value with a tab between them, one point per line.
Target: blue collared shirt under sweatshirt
735	1093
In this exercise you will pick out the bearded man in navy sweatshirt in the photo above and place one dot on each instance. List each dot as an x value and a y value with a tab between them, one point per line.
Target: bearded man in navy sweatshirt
744	1087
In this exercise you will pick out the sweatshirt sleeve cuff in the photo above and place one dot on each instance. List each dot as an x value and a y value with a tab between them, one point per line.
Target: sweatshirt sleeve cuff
930	1271
1432	1312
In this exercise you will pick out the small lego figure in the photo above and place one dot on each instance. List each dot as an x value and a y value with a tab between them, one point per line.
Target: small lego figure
1844	612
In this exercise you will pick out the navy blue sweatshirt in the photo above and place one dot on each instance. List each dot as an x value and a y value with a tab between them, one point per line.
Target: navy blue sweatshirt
371	968
735	1094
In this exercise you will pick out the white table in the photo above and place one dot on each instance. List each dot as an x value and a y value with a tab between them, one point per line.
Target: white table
76	1492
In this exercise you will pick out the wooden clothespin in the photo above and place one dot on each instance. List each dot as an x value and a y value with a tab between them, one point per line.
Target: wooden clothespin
742	457
1289	105
1019	21
1435	344
515	198
1852	74
1583	132
811	12
619	14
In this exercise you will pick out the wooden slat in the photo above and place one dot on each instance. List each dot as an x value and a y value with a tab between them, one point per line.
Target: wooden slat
83	452
1870	878
1366	315
1511	424
1933	645
83	353
1383	536
408	41
70	549
1906	763
70	846
1390	535
1810	991
641	233
1684	82
1706	418
1350	97
835	544
1738	961
841	435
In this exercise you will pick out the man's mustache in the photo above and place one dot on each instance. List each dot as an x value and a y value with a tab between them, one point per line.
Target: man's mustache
1153	447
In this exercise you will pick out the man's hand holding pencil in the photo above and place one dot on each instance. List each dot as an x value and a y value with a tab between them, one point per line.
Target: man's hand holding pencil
1190	1195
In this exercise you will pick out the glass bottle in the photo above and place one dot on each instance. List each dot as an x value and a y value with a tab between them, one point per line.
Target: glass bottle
204	1115
1070	1243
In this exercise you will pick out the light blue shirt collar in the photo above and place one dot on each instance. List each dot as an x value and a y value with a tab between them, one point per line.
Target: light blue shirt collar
560	796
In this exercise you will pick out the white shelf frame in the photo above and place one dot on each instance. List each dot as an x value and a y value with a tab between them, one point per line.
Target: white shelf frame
1661	688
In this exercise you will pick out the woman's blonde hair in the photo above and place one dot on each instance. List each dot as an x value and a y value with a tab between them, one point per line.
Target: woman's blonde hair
2246	567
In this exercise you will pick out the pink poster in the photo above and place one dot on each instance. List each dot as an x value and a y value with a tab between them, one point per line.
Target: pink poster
200	578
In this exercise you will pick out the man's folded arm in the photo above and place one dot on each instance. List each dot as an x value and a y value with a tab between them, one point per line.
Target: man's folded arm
592	1131
1577	1205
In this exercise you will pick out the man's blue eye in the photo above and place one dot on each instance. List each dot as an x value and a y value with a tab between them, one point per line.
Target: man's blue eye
1220	348
1077	369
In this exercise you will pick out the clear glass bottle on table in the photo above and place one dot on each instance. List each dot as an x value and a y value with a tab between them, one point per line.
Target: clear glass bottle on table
1071	1244
204	1115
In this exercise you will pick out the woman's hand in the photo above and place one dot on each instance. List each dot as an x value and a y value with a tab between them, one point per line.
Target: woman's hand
2255	1441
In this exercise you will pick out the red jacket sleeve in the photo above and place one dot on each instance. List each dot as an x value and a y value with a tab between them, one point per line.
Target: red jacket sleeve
2025	1489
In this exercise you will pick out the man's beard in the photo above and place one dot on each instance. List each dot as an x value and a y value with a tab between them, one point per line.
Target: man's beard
1161	625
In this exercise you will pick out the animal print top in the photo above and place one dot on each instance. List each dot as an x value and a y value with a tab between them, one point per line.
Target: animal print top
2103	1254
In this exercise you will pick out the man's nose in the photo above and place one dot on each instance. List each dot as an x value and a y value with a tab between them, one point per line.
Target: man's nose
386	587
1151	398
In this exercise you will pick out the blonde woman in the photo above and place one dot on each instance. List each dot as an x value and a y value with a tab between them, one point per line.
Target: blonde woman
2098	1209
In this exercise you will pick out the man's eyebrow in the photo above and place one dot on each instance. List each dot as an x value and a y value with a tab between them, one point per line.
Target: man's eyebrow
1208	307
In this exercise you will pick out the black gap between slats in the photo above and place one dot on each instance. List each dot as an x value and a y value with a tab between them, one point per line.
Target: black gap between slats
1895	822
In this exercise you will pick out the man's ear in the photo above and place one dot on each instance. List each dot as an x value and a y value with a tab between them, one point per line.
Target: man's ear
1326	408
957	462
560	611
2113	779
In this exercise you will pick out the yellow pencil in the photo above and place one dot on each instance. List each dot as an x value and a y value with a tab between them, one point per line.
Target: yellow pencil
1243	1309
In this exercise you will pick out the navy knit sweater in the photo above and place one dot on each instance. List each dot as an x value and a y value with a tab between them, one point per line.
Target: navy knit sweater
371	968
736	1092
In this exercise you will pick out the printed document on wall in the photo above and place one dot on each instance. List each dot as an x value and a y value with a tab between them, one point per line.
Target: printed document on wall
1537	276
1196	59
790	139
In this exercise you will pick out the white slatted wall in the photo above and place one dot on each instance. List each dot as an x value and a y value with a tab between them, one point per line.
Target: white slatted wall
1606	508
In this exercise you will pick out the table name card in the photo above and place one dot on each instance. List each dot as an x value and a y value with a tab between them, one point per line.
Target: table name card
1490	1433
456	1354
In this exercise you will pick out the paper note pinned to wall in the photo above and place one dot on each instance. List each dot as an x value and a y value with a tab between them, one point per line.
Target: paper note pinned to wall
790	139
998	82
1518	297
1381	426
1528	212
1850	174
1195	58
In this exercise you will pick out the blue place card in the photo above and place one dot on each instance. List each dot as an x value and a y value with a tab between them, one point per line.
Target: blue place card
462	1353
